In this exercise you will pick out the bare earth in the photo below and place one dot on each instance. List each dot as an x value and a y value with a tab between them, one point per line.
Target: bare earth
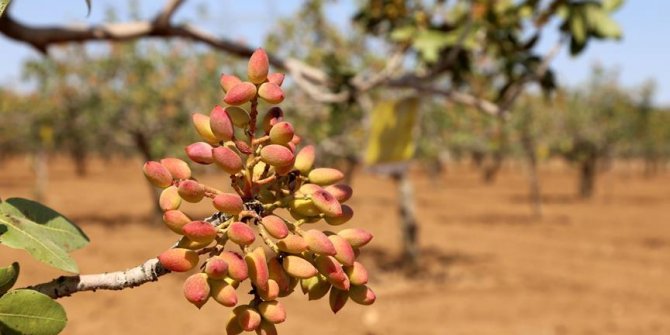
588	267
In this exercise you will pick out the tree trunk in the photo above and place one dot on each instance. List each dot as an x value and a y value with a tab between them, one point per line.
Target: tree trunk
533	179
144	147
587	177
79	157
491	170
41	170
408	225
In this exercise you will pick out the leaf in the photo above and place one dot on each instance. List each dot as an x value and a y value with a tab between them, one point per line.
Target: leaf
20	233
3	6
403	34
601	24
8	277
578	26
612	5
88	8
64	233
30	312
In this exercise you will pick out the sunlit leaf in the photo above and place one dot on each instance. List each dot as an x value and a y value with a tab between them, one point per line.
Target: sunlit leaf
64	232
30	312
20	233
8	277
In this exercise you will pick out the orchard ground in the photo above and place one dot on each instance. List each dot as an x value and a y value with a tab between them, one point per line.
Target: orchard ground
600	266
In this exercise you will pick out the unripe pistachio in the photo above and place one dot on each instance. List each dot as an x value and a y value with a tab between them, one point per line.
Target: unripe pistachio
266	328
275	226
201	123
291	146
273	311
332	270
248	317
305	159
341	192
326	203
362	295
273	116
200	231
241	233
293	244
357	237
277	155
238	115
271	93
175	220
337	299
221	124
200	152
281	133
277	273
308	189
293	282
344	252
306	283
233	326
258	66
178	259
318	289
228	203
157	174
304	207
272	292
283	170
177	167
223	293
347	214
357	274
237	267
258	268
169	199
191	190
318	242
227	159
240	93
187	243
196	289
276	78
298	267
227	81
296	139
325	176
216	267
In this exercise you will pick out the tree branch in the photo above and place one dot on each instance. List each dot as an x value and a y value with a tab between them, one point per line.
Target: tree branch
149	271
64	286
516	90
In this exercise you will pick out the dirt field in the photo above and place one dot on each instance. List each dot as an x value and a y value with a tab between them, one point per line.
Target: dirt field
588	267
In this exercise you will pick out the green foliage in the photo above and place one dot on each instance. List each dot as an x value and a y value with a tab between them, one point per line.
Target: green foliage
8	276
45	234
30	312
3	6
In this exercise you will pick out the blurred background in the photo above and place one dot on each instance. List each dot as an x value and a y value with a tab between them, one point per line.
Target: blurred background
511	157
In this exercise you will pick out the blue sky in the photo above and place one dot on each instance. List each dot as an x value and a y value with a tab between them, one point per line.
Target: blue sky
643	53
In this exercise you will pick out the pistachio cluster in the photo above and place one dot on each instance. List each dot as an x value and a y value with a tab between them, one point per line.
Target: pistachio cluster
277	195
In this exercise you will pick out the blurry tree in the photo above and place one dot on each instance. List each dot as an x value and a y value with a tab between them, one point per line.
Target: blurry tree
478	53
589	121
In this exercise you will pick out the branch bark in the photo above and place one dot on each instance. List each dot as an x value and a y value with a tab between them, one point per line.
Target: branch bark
64	286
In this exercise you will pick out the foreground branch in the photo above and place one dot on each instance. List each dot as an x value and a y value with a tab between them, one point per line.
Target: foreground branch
64	286
149	271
